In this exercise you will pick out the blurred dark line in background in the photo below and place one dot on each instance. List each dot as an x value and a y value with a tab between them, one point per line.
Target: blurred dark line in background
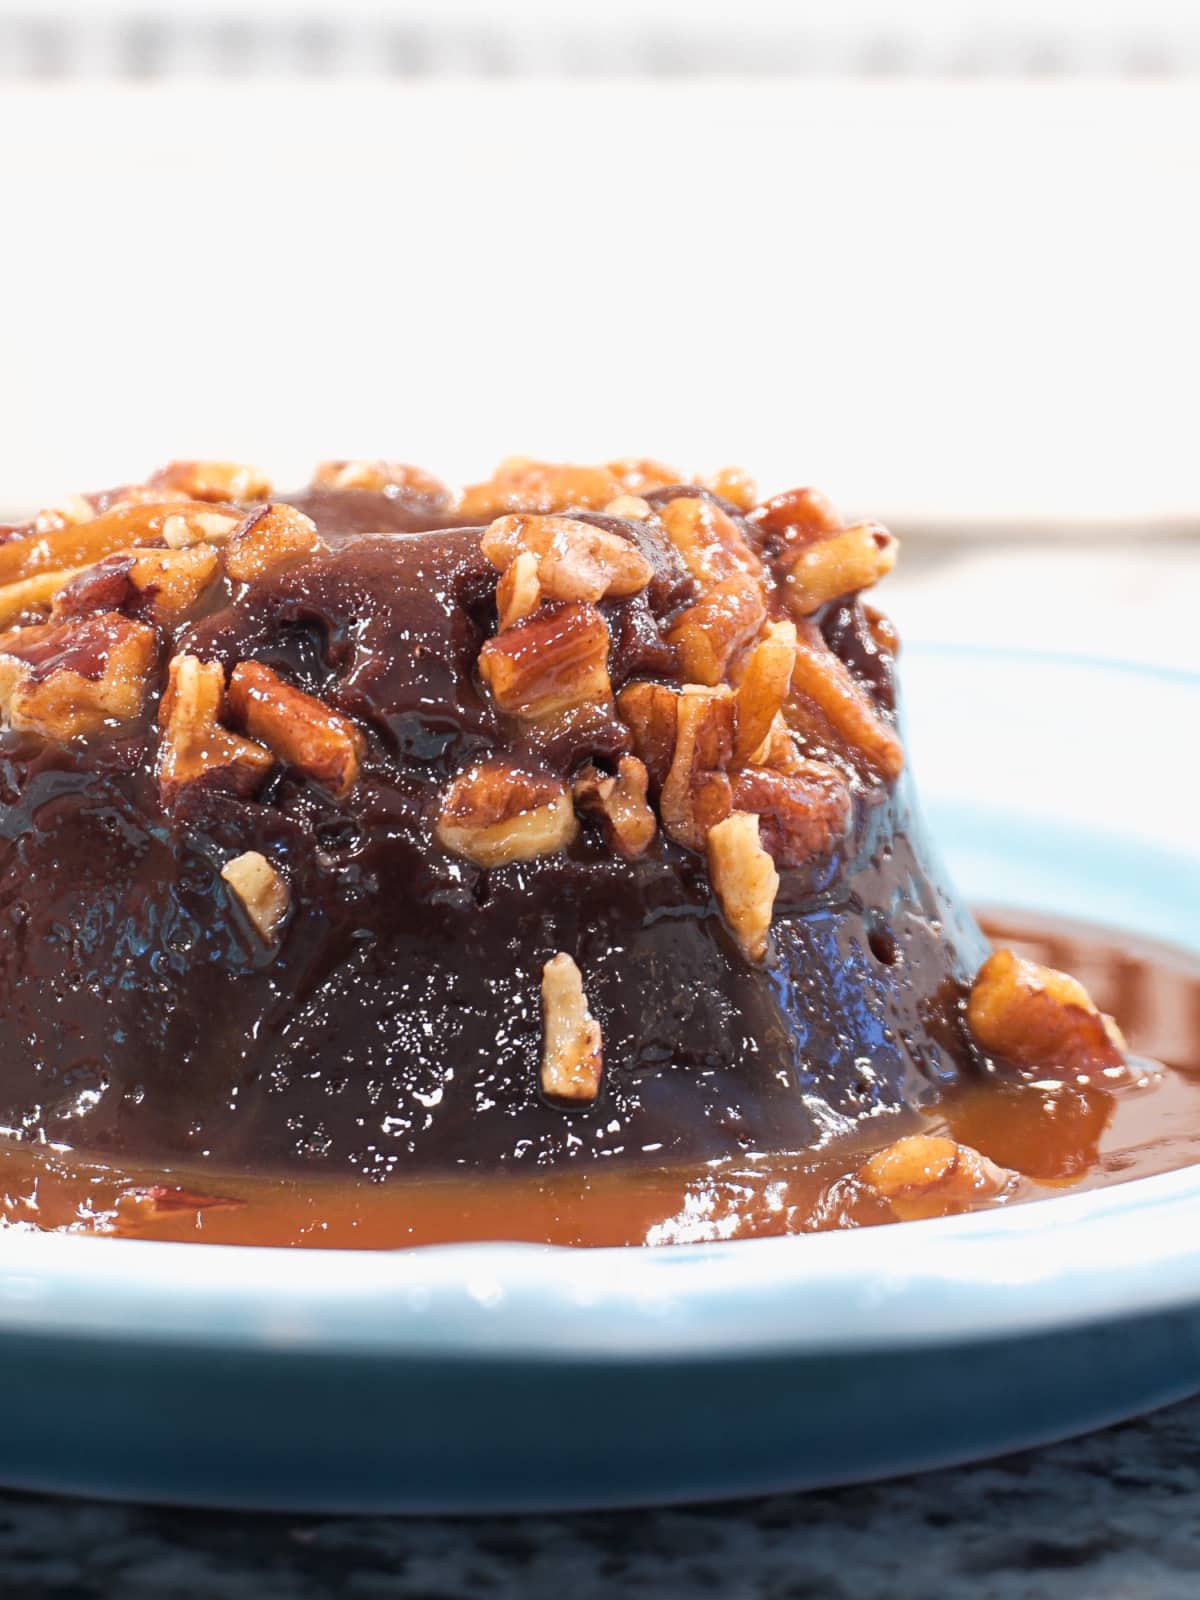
658	38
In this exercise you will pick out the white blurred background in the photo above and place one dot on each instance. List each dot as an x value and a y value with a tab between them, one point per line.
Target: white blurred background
941	259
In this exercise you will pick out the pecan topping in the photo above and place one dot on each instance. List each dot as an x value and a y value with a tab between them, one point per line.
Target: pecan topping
522	484
735	485
195	747
296	727
576	561
519	591
697	792
822	682
649	711
571	1054
802	814
765	684
197	526
628	822
553	660
160	584
842	563
68	513
494	813
1037	1018
61	679
639	475
78	545
267	539
926	1175
794	519
723	621
212	480
262	892
629	507
709	541
381	475
30	596
744	880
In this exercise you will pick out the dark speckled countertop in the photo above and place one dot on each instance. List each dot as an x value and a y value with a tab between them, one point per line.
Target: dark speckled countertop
1114	1516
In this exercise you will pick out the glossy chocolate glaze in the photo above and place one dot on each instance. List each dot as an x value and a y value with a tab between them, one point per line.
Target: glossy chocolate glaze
397	1027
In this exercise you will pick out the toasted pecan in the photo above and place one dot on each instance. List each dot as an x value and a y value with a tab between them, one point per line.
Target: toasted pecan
194	746
296	727
495	813
61	679
744	880
213	480
620	803
550	662
576	560
928	1175
270	537
1038	1018
572	1058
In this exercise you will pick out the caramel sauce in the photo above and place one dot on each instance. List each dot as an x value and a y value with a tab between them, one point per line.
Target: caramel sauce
1057	1136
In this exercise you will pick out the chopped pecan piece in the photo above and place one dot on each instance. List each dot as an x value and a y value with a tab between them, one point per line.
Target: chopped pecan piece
620	802
735	485
296	727
697	792
553	660
638	475
802	814
927	1175
841	564
744	880
61	679
630	507
197	526
494	813
519	591
195	747
766	681
649	711
576	561
381	475
267	539
711	544
1035	1017
571	1051
160	584
522	484
33	595
68	513
709	634
779	750
822	680
882	630
262	891
81	544
794	519
212	480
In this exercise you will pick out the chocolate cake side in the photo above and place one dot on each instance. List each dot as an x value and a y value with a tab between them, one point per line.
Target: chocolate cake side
386	832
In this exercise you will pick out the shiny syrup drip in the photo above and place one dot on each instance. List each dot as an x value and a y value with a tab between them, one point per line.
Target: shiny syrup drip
1058	1137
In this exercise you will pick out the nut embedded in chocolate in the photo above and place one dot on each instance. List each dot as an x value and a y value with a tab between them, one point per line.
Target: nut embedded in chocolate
495	813
261	890
195	747
572	1058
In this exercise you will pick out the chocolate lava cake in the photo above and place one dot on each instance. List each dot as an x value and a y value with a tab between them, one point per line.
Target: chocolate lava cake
376	830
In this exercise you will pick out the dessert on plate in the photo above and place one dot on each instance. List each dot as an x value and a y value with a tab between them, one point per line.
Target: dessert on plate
549	830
